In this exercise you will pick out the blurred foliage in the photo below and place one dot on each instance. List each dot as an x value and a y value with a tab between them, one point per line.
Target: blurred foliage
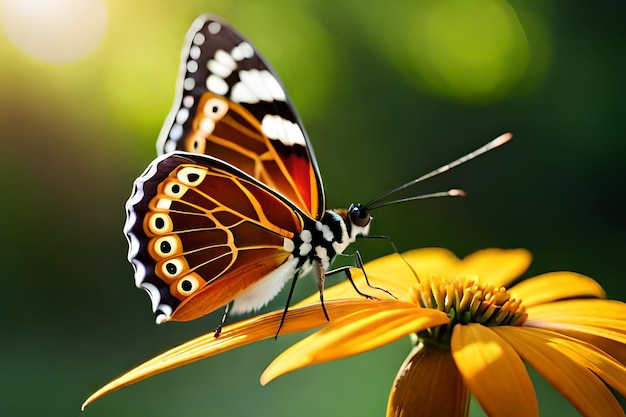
387	90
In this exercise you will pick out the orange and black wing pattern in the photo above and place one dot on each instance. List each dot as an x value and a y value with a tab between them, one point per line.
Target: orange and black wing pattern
201	232
231	105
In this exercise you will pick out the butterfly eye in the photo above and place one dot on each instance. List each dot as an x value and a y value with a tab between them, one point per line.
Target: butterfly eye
191	176
174	189
215	108
160	223
166	246
188	285
359	215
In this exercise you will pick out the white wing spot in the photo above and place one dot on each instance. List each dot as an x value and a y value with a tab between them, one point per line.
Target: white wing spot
214	27
194	52
216	85
199	39
242	94
164	204
188	101
242	51
182	115
262	84
289	133
288	245
192	66
169	146
218	68
225	59
207	125
189	84
176	132
276	90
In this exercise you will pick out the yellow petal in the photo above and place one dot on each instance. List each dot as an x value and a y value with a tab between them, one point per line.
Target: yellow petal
555	286
354	334
393	273
428	384
591	357
493	371
573	310
618	335
556	364
615	349
499	267
388	273
429	261
232	336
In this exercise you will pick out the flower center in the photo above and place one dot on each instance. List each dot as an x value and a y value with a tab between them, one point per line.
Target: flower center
466	300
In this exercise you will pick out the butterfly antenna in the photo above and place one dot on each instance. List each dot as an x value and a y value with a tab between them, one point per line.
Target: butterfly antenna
500	140
455	192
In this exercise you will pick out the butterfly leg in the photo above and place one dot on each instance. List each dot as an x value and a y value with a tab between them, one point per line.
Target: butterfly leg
395	249
320	274
282	319
218	329
359	264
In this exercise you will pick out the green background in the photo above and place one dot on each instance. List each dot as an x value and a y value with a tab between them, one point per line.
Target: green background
387	91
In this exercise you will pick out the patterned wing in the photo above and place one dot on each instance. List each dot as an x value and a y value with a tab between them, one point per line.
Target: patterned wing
231	105
201	233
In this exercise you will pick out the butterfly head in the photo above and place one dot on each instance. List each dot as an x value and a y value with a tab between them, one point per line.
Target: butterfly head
358	220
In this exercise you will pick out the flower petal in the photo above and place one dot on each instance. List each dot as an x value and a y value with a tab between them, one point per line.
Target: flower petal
573	310
615	349
235	335
591	357
618	335
393	273
499	267
490	365
354	334
429	261
562	368
556	286
428	384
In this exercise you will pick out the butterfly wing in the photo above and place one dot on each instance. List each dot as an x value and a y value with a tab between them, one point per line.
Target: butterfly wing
231	105
201	233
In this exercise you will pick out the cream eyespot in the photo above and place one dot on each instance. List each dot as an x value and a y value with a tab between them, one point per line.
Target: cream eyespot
167	246
172	268
175	189
159	223
188	285
191	176
215	108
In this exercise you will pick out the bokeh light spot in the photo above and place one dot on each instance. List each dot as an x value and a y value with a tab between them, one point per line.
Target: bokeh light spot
468	50
56	31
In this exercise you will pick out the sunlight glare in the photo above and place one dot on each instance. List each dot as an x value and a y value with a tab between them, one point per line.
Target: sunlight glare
56	31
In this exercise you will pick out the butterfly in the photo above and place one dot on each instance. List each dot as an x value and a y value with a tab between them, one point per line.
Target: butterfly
234	206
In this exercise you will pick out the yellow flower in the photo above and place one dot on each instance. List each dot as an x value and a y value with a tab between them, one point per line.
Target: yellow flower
471	335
